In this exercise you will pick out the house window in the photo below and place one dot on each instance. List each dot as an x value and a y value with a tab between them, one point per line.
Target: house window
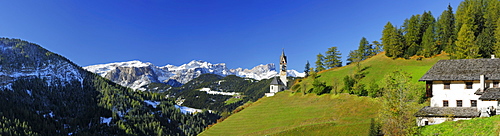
445	103
473	103
495	84
446	85
468	85
459	103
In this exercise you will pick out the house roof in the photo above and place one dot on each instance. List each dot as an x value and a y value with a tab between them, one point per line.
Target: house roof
463	69
490	94
464	112
276	81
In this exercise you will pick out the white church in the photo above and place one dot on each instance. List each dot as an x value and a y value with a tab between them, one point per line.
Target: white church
279	84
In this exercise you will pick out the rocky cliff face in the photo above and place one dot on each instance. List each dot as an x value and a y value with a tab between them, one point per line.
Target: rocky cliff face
20	59
135	74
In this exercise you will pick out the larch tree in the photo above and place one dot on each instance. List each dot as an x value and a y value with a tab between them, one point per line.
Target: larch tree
446	33
496	47
429	47
332	58
412	35
465	47
320	66
392	40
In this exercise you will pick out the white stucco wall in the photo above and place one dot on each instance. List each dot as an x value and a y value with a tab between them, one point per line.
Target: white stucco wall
436	120
456	92
274	88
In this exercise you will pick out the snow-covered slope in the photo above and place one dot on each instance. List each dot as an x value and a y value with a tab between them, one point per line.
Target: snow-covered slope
135	74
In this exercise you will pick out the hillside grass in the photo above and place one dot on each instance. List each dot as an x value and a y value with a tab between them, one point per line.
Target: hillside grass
474	127
296	114
378	66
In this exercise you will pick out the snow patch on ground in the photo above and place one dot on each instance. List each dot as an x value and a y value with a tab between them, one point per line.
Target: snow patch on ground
152	103
186	110
105	120
29	92
217	92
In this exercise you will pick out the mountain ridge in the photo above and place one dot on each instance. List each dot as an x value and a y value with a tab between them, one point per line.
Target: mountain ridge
135	73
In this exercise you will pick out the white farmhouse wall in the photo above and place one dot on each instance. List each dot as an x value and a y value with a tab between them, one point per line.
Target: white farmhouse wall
456	92
487	104
436	120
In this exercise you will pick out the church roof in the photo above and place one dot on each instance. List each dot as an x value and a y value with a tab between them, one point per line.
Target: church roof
464	112
276	81
463	69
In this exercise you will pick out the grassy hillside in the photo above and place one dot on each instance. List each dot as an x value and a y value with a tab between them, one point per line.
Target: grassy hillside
474	127
378	66
298	114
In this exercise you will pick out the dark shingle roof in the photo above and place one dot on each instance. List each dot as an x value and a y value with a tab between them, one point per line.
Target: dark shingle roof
463	69
491	94
464	112
276	81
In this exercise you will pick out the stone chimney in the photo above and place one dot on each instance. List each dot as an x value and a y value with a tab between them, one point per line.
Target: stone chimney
481	83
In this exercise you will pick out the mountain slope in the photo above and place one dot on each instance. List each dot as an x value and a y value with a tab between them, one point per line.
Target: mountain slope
376	69
135	74
296	114
42	93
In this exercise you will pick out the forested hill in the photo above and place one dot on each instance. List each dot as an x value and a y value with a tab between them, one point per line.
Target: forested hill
43	93
471	32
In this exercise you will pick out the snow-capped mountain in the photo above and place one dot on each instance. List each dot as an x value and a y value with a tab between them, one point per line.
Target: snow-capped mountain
20	59
135	74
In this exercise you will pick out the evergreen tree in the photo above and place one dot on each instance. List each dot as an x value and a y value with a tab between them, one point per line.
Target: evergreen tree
306	69
446	34
320	66
377	47
412	35
465	48
485	42
364	49
392	40
429	47
332	58
353	57
496	47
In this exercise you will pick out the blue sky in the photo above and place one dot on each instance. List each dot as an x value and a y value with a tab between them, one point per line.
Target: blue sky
240	33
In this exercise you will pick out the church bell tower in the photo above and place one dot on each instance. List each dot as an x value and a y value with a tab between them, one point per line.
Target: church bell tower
283	68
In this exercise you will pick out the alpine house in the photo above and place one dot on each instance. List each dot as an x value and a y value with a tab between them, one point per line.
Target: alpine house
461	89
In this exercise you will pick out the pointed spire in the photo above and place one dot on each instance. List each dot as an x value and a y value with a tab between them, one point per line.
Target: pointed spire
283	52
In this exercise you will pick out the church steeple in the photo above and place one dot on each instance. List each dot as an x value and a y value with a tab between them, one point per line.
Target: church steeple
283	73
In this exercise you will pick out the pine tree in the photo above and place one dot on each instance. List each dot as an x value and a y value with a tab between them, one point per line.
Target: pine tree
496	47
377	47
306	69
364	49
446	34
320	66
465	48
332	58
386	39
413	35
429	47
392	40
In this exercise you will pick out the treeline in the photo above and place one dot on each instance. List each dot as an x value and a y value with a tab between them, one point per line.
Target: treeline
471	32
